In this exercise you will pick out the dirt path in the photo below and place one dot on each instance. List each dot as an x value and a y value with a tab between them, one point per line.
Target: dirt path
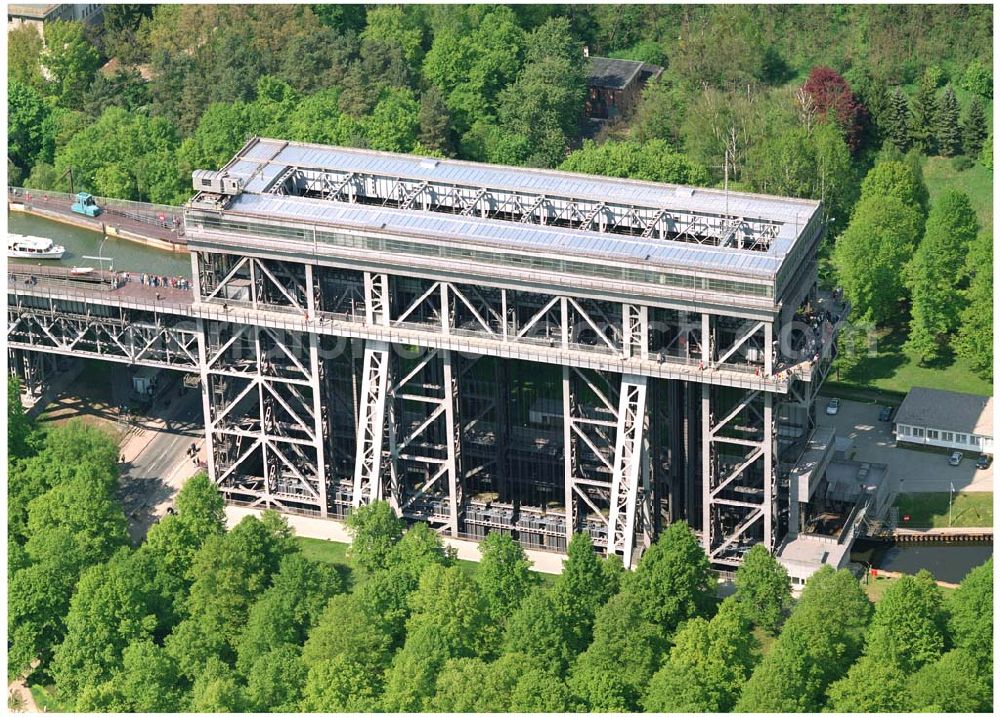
19	692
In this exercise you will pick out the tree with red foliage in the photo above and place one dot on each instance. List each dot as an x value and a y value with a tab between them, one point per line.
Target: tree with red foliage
832	96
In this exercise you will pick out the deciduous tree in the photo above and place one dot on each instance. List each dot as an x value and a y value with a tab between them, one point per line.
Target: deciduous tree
908	625
835	100
394	124
374	529
147	682
111	607
653	161
539	629
708	664
871	252
672	582
932	275
275	681
763	588
970	616
871	685
586	583
504	576
24	54
975	337
71	60
341	685
217	689
951	684
820	640
612	674
347	630
287	610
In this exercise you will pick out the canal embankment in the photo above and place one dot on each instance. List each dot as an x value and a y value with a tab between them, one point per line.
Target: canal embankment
154	225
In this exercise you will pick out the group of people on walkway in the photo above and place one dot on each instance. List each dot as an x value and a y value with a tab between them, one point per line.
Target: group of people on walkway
173	282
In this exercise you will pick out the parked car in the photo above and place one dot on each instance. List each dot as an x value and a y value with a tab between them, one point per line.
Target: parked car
885	414
983	462
833	406
955	458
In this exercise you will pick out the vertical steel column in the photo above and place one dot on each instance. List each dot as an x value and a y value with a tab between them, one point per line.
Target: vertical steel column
206	405
635	329
374	395
371	424
706	441
445	310
627	467
376	299
769	476
264	443
317	391
568	457
768	348
451	437
195	278
564	321
706	467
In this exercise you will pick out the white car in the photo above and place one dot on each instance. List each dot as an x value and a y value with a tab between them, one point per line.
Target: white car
955	458
833	406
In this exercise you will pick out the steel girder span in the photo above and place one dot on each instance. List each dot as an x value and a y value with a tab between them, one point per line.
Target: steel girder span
306	420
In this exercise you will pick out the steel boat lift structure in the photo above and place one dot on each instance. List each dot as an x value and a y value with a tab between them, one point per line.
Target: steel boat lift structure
494	348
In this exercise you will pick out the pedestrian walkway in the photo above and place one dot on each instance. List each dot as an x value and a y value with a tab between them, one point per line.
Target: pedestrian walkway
335	530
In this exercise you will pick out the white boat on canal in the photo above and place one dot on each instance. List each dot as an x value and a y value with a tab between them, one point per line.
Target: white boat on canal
20	246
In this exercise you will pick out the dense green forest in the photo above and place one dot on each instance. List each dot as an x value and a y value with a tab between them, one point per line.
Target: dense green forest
795	100
196	618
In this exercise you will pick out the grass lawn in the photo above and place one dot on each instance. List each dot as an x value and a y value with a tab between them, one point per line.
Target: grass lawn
970	510
876	587
327	551
893	370
46	699
977	182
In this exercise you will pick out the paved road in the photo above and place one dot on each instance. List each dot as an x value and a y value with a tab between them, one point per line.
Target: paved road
152	478
910	471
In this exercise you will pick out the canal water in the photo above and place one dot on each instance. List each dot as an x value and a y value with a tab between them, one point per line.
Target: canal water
129	256
947	562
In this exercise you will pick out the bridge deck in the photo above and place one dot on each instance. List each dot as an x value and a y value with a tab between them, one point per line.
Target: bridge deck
120	285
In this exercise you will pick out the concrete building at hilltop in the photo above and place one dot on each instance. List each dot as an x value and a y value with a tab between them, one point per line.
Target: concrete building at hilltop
37	14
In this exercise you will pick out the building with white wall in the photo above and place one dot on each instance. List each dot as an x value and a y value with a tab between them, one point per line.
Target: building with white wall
946	419
36	14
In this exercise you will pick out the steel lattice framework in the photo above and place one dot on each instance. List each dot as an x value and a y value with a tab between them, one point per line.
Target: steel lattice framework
340	366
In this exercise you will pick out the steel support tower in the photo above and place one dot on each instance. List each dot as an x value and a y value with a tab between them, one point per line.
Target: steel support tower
486	348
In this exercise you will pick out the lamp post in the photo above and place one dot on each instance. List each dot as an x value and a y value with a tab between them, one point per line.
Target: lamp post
100	256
